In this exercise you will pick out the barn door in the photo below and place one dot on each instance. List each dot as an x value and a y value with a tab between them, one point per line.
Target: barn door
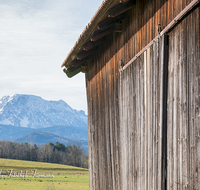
143	114
183	120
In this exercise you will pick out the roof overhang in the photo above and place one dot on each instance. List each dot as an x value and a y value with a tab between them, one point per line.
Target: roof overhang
106	20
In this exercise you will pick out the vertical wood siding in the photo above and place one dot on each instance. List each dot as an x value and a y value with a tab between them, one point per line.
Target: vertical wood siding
103	113
183	105
141	115
125	118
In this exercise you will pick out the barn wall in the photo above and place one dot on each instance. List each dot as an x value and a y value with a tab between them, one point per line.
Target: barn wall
122	135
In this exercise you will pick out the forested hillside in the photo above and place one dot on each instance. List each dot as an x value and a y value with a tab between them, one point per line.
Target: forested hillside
52	153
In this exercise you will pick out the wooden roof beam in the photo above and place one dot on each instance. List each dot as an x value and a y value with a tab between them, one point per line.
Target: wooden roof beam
120	8
89	45
100	34
123	1
118	27
84	53
77	62
71	71
84	69
110	20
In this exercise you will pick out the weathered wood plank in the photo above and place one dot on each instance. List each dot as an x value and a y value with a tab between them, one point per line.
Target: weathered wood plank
111	103
121	131
153	19
142	122
158	91
188	108
131	129
180	109
169	11
92	133
139	127
152	25
117	111
149	117
158	14
137	35
170	117
155	129
175	112
197	96
108	119
159	59
195	101
96	129
126	129
178	104
189	103
165	13
162	107
183	51
99	121
162	17
126	39
146	119
144	29
191	99
130	35
87	76
136	127
174	9
102	127
149	21
134	132
108	127
150	153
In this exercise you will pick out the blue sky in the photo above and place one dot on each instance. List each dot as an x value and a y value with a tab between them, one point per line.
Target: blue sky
35	38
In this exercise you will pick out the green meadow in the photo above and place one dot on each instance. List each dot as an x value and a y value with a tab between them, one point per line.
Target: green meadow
65	177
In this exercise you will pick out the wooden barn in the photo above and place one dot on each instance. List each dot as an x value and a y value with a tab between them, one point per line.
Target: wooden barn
141	60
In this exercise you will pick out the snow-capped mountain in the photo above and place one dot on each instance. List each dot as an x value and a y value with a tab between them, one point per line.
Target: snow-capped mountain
34	112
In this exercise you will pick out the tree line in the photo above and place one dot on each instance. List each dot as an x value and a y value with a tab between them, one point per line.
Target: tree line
52	153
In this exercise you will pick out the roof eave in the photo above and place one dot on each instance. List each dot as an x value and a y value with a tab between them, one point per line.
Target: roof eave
87	32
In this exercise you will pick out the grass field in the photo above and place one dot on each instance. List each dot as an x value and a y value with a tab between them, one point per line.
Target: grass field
65	177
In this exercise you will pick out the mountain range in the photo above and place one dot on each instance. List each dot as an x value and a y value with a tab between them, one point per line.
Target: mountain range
29	118
34	112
